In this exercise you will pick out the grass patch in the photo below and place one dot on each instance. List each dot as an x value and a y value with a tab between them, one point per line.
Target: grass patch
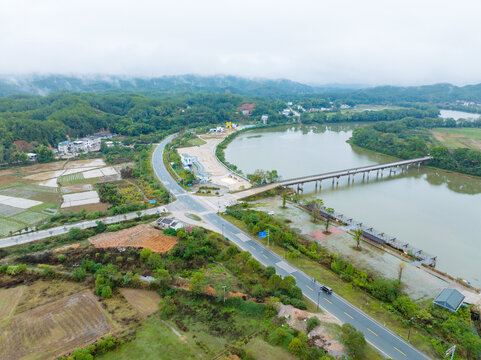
154	340
458	137
196	141
193	217
43	206
261	350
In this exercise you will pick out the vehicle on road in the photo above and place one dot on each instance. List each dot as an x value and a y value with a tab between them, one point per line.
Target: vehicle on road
326	289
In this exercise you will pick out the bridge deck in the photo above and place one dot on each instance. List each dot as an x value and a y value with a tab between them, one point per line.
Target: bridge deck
335	174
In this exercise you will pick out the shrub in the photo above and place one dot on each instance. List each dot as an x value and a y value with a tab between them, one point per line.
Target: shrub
3	268
61	257
106	292
145	254
82	354
385	290
79	274
312	323
296	347
258	291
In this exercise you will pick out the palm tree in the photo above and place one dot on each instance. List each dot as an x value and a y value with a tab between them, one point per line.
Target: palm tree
401	268
357	237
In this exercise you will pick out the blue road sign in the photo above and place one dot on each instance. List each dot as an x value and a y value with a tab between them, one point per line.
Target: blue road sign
153	201
262	234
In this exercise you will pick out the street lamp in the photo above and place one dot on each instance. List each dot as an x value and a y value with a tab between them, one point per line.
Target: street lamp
409	331
224	286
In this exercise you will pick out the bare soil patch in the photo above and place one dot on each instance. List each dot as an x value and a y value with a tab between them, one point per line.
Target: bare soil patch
320	234
320	335
88	207
77	188
53	329
145	301
142	236
5	180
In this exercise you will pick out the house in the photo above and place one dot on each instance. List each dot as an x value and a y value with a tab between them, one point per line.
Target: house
450	299
166	223
79	146
264	119
32	157
286	112
187	161
247	108
65	147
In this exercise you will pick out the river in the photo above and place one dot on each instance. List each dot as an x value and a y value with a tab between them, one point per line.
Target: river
456	115
431	209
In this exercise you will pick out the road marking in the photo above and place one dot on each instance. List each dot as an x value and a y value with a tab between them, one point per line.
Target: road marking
285	266
399	351
309	288
348	315
264	255
327	301
252	247
372	331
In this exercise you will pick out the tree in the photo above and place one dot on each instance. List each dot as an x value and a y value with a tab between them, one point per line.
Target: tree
163	277
253	264
401	268
284	199
44	153
145	254
100	227
258	291
106	292
353	340
327	226
357	237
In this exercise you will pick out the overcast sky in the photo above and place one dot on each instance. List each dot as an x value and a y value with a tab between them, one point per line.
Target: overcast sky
365	42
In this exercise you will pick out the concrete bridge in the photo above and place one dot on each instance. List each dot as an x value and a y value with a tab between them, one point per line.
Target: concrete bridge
350	173
334	175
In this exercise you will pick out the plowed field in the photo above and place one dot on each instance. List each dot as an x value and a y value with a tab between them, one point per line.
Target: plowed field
50	330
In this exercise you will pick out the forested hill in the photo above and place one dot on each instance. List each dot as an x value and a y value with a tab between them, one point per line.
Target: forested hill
280	89
43	85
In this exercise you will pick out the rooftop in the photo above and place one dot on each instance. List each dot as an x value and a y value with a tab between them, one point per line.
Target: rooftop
450	299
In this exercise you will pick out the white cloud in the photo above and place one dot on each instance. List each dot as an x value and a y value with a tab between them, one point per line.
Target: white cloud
370	42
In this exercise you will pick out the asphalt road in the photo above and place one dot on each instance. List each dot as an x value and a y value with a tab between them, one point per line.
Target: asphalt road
59	230
388	343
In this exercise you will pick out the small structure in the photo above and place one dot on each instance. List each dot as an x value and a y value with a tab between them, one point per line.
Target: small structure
264	119
32	157
450	299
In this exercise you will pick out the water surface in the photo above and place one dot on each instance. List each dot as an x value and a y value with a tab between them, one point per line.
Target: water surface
431	209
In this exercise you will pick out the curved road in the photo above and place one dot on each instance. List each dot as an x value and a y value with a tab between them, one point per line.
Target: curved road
380	337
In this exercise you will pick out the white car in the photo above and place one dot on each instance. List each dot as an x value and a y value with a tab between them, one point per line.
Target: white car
271	212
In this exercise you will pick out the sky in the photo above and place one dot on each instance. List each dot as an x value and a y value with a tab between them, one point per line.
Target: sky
317	42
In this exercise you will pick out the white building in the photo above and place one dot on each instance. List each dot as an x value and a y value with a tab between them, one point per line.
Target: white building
187	161
32	157
65	147
264	119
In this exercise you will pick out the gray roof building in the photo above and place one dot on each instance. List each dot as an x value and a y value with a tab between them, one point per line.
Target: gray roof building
450	299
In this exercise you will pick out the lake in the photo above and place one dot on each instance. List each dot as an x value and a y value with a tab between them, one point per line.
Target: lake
431	209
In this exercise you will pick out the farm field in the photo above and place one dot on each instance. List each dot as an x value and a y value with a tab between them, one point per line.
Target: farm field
9	300
143	236
145	301
55	328
458	137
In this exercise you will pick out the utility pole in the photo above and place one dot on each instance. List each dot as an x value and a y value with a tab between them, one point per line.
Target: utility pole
318	296
224	286
267	238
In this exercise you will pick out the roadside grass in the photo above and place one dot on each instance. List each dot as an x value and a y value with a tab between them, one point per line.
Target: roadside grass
370	305
193	217
217	275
